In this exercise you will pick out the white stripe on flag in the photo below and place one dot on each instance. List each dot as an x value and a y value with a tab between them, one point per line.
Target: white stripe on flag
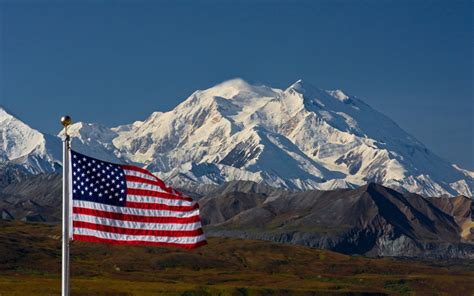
137	225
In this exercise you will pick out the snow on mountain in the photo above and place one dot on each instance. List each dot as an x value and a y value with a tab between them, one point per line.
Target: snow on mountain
94	139
301	137
21	145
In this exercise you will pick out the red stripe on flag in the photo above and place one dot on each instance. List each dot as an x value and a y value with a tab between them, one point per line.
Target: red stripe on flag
132	231
134	218
144	192
157	206
89	238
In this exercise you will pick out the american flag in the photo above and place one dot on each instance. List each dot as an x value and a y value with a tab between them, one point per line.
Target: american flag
125	204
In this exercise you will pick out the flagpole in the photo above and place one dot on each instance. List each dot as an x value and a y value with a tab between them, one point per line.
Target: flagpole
66	121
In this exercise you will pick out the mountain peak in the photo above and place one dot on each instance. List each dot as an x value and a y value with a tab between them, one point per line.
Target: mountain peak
230	88
308	90
303	137
302	86
89	130
338	94
234	83
238	89
4	114
24	145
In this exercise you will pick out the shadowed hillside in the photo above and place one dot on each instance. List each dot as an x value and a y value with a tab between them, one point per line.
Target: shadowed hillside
370	220
31	256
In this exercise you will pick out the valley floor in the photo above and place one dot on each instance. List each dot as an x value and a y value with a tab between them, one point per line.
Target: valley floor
30	262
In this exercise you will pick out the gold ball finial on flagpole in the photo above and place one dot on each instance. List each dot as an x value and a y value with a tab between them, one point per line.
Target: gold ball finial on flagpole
66	120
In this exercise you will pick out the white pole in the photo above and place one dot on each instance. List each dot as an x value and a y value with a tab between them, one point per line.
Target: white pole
65	120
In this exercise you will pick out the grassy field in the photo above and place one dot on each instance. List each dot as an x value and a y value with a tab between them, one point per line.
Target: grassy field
30	262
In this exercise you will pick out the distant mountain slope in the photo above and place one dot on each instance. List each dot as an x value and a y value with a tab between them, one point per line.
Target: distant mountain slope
462	209
33	198
370	220
26	147
297	138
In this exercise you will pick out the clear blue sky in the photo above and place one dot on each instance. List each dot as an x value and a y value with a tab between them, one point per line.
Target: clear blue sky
116	62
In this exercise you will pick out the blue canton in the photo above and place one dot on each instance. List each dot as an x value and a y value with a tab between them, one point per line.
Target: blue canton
97	181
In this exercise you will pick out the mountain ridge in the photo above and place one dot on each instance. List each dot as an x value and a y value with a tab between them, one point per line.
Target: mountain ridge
298	138
370	220
27	147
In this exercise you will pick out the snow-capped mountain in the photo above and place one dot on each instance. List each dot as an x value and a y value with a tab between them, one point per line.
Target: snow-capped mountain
26	147
301	137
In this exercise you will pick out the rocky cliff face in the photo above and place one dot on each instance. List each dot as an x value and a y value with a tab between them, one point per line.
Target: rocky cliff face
370	220
36	198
